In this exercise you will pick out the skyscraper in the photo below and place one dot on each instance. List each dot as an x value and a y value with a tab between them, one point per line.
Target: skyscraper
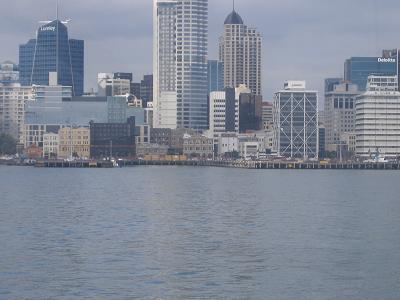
53	51
357	69
296	121
240	51
180	63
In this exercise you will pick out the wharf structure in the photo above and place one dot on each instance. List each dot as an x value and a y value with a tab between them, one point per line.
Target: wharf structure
239	164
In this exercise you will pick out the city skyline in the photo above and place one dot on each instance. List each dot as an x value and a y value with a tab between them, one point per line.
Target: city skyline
320	50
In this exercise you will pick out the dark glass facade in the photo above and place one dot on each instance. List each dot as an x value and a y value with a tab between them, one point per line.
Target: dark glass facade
357	69
230	110
215	70
321	142
144	89
250	112
112	139
53	51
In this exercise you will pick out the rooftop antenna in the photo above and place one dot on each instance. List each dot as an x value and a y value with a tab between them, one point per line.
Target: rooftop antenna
57	16
233	5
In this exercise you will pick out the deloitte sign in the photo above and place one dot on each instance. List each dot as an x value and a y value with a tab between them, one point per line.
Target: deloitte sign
386	60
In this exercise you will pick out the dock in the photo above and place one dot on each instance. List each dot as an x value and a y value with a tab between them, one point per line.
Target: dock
73	164
240	164
267	165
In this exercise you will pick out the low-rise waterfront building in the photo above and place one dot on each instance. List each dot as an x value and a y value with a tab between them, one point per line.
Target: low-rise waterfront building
228	145
256	145
143	149
51	143
74	142
198	146
112	139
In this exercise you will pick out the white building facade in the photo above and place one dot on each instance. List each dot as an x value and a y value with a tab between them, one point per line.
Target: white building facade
51	142
224	109
110	86
378	118
13	98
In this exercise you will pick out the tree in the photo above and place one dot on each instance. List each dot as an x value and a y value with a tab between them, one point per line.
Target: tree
8	145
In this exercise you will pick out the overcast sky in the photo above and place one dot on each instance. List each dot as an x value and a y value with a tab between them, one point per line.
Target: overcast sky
303	39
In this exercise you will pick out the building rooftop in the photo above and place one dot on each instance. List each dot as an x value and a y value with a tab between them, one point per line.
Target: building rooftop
233	19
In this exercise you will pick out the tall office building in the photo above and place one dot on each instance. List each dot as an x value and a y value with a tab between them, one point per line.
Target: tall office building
296	121
357	69
53	51
180	63
339	112
378	118
164	64
240	51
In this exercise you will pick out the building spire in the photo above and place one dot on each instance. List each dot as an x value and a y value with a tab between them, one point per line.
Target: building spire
233	5
57	10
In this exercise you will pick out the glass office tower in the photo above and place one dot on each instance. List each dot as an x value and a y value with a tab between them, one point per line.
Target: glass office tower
357	69
191	59
53	51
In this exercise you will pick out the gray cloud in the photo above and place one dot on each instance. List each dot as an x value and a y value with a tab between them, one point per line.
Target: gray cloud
303	39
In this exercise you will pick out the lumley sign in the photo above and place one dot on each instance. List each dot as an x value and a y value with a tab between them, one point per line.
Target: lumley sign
48	28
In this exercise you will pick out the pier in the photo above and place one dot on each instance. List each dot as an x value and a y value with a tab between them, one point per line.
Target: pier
267	165
256	165
73	164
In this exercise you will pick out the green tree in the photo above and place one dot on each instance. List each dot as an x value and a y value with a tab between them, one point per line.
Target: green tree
8	145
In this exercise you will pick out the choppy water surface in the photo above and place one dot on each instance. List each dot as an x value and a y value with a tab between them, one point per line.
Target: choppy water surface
199	233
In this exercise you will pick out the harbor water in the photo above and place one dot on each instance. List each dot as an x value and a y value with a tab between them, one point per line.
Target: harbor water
199	233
